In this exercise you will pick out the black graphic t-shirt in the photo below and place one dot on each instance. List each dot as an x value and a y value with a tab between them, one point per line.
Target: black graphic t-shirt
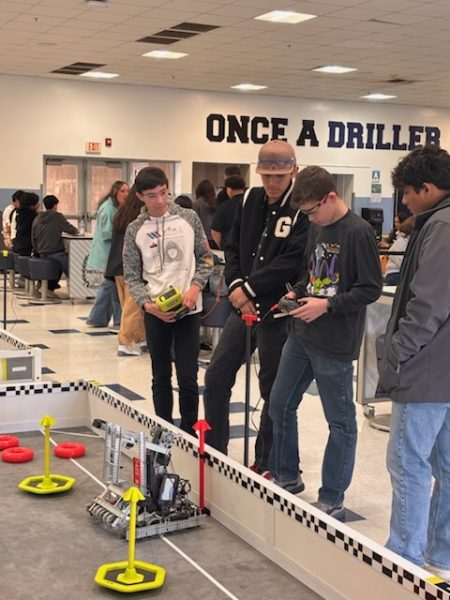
343	266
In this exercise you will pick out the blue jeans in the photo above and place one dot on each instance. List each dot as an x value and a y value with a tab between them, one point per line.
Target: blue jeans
299	365
419	449
106	304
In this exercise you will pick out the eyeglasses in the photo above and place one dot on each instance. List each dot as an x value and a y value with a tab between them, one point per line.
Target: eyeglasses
315	208
155	195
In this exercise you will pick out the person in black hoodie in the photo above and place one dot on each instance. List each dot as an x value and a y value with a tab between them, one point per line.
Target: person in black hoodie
263	253
26	213
46	233
46	238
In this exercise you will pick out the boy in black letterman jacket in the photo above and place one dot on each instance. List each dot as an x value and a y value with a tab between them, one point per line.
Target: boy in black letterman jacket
264	253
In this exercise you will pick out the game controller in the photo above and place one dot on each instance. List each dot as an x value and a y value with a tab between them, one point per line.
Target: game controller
288	304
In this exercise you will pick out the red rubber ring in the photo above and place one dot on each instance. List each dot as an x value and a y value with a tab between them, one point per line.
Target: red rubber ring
18	454
69	450
8	441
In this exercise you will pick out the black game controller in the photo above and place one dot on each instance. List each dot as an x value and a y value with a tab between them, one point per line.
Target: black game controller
288	304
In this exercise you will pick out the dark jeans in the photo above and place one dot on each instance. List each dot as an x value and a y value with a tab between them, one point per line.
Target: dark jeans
220	377
186	340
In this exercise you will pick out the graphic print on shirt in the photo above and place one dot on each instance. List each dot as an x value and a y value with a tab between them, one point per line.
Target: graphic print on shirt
155	248
323	270
163	247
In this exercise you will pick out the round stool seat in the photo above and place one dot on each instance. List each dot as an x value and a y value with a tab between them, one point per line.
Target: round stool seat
24	266
43	268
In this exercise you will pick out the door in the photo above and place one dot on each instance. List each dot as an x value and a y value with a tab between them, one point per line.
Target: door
79	183
64	179
101	175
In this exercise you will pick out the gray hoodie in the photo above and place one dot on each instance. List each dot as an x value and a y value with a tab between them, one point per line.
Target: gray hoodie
166	251
46	232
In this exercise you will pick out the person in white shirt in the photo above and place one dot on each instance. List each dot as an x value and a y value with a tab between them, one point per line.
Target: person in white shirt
392	273
9	219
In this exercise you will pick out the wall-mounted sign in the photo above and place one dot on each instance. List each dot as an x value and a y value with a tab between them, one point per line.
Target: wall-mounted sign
92	148
340	134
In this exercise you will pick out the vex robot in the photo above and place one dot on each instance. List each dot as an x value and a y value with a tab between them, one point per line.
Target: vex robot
166	506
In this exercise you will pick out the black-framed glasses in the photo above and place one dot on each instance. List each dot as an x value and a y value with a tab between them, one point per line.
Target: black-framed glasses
315	208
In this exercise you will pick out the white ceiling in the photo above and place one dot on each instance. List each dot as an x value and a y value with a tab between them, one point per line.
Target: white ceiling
383	39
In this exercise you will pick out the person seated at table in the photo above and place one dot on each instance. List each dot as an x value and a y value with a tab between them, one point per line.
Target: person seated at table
46	236
392	273
398	219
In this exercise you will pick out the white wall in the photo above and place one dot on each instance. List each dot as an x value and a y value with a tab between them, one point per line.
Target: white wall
56	117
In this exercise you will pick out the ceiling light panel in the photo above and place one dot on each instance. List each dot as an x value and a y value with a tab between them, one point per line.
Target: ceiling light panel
334	69
165	54
377	96
99	75
285	16
248	87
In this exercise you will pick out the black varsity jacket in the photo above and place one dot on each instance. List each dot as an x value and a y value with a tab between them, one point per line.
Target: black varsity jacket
265	250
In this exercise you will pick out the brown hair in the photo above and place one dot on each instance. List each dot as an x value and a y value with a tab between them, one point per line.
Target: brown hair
206	190
112	193
311	184
128	211
407	226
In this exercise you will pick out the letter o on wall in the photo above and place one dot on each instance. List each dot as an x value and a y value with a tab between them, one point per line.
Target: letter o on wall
215	127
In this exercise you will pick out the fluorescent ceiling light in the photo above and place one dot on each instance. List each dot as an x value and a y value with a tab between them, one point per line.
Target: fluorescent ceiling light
285	16
248	87
165	54
97	2
335	69
377	96
99	75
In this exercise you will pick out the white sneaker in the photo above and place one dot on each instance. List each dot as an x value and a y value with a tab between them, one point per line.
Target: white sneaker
127	351
441	573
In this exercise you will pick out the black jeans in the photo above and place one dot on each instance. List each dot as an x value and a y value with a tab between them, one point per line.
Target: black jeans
185	337
220	377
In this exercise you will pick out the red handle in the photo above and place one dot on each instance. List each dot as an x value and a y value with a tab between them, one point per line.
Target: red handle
249	319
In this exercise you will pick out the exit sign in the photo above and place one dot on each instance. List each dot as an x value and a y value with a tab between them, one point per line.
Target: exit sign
92	148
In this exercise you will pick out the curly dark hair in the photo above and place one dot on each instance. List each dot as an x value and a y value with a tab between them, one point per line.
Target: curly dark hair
428	164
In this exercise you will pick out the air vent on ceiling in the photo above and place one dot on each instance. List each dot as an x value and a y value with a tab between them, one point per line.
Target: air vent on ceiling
198	27
177	33
78	68
395	79
383	22
153	39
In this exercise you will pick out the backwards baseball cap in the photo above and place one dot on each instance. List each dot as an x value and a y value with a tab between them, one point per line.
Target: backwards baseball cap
276	158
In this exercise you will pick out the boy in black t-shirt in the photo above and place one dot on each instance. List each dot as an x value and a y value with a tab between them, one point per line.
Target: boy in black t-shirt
343	276
224	216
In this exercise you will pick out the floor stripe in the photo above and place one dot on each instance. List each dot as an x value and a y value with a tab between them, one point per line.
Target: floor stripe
199	568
